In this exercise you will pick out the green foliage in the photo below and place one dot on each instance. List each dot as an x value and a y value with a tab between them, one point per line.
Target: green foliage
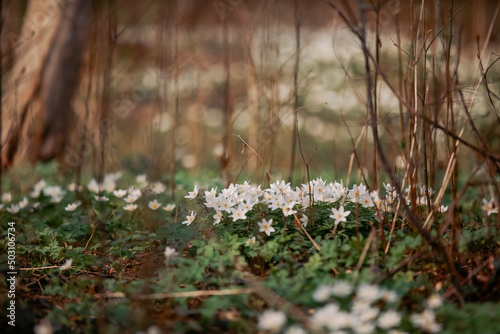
118	261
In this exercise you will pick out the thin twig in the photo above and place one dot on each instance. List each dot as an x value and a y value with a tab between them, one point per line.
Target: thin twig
40	268
93	227
186	294
363	255
299	225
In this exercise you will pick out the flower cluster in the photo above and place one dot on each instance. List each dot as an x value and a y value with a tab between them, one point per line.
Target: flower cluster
236	201
364	309
99	191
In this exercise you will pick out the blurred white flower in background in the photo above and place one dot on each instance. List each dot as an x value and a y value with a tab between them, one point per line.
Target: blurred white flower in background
271	320
169	207
73	206
66	265
130	207
154	205
170	252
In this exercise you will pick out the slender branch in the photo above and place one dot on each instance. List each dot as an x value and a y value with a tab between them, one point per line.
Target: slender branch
184	294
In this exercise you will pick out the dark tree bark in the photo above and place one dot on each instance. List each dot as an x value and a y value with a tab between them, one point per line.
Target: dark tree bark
43	80
60	80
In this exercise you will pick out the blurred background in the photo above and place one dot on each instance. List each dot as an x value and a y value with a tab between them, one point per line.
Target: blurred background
240	88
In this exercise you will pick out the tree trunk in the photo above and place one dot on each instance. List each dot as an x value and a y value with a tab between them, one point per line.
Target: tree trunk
44	78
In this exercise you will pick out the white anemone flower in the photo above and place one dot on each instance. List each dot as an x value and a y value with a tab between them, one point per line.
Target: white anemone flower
265	226
13	209
170	252
250	241
130	207
193	194
189	219
73	206
271	320
120	193
169	207
339	215
489	207
6	197
66	265
154	205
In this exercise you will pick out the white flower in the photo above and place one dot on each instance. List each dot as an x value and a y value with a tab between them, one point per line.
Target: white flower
366	201
169	207
154	205
193	194
396	331
44	327
94	187
39	185
368	314
368	293
359	306
341	289
265	226
109	184
271	320
157	187
364	328
400	162
217	217
152	330
238	213
304	220
24	203
250	241
225	204
189	219
295	330
489	207
288	209
13	209
357	192
326	316
322	293
131	198
135	192
66	265
211	193
389	319
55	192
434	301
281	187
426	321
56	199
6	197
388	296
130	207
339	215
443	209
141	179
73	206
73	187
101	198
120	193
170	252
